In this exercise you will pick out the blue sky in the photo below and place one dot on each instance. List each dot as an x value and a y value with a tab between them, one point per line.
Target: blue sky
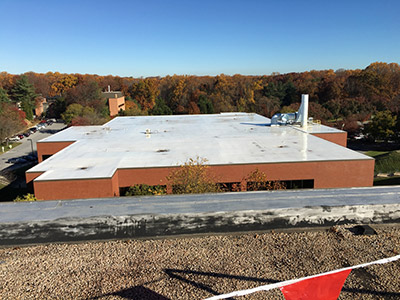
166	37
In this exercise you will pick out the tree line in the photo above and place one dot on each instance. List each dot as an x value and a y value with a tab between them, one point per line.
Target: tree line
344	98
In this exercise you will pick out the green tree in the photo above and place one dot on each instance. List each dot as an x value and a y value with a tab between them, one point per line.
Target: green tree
291	94
277	90
205	105
161	108
383	125
3	98
24	93
72	111
56	108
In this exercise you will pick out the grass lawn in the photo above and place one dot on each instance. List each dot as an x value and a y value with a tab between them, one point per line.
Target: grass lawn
7	148
375	154
387	163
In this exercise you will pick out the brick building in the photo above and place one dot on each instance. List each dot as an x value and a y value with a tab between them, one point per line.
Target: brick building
100	161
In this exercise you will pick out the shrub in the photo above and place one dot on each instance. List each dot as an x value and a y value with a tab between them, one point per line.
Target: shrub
146	190
193	177
27	197
257	181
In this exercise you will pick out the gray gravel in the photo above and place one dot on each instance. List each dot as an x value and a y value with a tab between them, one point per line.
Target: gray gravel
199	267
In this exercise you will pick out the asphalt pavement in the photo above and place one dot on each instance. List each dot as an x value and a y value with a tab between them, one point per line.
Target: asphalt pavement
27	146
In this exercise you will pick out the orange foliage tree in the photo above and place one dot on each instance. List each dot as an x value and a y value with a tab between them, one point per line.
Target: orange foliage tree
258	181
193	177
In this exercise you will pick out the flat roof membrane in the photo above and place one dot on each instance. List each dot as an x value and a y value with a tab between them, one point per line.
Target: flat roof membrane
168	141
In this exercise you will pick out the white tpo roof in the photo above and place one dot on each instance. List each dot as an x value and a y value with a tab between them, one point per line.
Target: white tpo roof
223	139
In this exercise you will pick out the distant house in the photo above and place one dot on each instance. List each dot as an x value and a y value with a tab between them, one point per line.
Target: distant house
116	101
41	106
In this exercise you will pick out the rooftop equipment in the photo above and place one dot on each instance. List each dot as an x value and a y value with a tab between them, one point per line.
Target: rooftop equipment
299	117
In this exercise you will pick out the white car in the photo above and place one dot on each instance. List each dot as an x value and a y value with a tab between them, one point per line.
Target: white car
14	139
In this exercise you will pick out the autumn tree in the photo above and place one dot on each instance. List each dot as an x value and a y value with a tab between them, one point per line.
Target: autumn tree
267	106
41	82
145	92
11	120
258	181
193	177
346	94
132	108
24	93
178	97
63	82
86	94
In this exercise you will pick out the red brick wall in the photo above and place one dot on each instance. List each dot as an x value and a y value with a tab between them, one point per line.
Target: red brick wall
50	148
115	104
339	138
336	174
72	189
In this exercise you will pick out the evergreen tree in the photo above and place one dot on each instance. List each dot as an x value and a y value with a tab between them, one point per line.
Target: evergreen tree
24	93
205	105
161	108
3	98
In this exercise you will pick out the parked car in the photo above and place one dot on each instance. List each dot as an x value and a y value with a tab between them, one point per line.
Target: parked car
27	133
20	160
21	136
14	139
12	160
29	157
33	129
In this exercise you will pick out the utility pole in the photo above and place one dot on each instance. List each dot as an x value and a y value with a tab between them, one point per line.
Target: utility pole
31	145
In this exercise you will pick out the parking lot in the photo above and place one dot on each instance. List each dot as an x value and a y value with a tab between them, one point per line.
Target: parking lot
27	147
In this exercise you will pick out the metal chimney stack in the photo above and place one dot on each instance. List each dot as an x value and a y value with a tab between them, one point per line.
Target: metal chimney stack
304	110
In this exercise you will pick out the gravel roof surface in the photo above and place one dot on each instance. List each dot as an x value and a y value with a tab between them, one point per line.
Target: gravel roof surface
200	267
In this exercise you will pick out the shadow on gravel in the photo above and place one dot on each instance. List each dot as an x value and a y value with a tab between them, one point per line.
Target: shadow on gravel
173	273
351	292
379	295
136	292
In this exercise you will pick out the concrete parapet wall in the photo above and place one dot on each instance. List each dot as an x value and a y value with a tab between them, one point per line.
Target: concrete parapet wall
147	217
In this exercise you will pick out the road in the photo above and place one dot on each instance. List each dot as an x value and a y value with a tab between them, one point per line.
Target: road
26	146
